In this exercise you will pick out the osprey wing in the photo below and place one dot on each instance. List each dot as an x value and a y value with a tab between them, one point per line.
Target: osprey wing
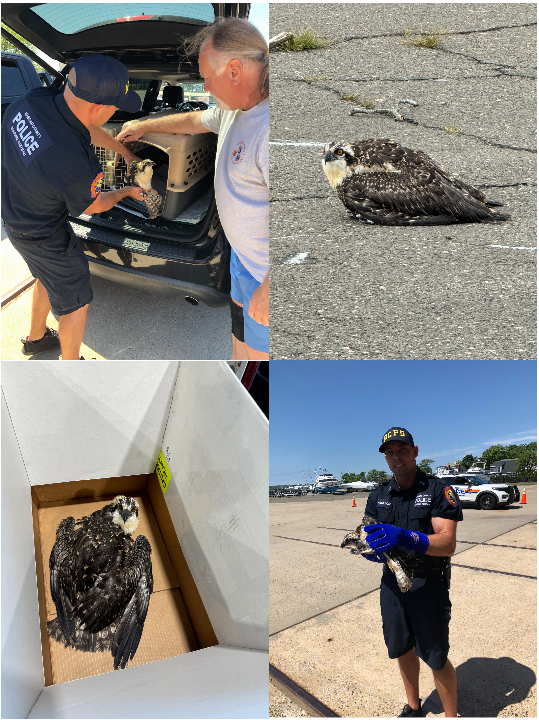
120	595
421	197
62	587
129	631
394	185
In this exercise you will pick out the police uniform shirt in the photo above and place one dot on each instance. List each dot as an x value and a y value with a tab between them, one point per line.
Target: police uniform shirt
413	509
49	168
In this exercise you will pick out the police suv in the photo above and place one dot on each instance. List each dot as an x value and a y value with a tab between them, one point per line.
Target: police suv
477	491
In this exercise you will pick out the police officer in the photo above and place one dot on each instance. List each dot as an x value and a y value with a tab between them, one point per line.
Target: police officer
420	513
50	171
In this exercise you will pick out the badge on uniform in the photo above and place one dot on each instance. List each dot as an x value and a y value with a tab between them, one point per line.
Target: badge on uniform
96	185
450	496
423	500
27	134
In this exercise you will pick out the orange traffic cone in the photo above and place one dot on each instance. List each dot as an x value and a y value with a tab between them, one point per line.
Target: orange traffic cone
523	497
354	500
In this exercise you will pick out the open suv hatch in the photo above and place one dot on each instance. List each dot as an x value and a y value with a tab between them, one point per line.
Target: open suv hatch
184	250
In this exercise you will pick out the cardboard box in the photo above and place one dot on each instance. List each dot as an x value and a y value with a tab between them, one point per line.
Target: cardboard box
72	438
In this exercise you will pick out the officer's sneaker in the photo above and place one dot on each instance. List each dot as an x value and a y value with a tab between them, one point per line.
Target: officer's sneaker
407	711
49	341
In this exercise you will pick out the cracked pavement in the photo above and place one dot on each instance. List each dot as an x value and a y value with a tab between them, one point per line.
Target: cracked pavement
343	290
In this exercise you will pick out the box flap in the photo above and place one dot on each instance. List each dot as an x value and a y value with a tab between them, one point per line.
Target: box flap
22	669
217	682
216	445
72	424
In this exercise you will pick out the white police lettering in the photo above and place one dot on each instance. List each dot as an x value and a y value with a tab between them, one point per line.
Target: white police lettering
423	500
29	137
30	143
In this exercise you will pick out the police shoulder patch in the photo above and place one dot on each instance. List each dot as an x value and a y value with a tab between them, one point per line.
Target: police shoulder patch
96	185
450	495
27	134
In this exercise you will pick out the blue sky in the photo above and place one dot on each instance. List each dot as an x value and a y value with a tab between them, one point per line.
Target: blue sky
259	16
334	413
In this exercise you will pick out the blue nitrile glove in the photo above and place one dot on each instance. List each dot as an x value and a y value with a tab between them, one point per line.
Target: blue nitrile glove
382	538
373	557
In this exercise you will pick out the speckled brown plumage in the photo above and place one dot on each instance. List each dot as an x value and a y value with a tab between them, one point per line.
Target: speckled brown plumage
141	174
384	183
398	560
101	581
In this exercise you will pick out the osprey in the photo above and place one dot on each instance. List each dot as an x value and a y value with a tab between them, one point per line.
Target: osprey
101	581
399	561
141	173
384	183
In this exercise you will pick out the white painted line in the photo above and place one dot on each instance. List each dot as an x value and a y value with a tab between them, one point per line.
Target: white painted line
510	247
297	259
297	144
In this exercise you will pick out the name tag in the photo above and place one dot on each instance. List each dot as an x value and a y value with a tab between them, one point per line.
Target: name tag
27	134
423	500
383	503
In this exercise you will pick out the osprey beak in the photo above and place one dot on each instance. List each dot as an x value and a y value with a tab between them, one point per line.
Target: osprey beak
328	157
126	514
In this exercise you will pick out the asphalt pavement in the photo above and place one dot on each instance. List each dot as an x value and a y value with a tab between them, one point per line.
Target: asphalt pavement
341	289
326	629
123	323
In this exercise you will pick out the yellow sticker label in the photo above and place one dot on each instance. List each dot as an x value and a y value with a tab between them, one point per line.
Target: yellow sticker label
163	473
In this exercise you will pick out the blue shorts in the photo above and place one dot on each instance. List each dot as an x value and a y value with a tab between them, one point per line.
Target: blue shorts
60	264
416	619
242	287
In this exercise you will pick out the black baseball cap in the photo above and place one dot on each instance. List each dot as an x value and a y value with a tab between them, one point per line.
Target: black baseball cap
104	81
396	433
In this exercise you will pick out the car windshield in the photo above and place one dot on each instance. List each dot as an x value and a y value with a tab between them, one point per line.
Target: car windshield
478	480
71	18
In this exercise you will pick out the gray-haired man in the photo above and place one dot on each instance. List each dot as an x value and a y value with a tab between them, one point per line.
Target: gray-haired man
233	60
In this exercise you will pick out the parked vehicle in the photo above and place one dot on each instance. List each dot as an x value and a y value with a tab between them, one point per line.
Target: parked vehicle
358	486
18	76
476	491
184	251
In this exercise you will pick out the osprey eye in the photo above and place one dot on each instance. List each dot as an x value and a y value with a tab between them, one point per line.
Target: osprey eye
339	152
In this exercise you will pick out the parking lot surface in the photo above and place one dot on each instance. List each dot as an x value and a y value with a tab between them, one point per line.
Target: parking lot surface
326	629
123	323
341	289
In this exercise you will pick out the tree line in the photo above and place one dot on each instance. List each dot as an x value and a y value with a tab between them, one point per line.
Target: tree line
526	456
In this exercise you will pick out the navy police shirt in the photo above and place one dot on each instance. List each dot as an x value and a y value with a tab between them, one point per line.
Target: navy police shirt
49	168
413	509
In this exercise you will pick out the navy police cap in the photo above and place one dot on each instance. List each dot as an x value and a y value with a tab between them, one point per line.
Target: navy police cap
103	80
396	433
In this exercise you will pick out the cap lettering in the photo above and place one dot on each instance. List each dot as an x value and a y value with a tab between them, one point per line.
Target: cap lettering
403	433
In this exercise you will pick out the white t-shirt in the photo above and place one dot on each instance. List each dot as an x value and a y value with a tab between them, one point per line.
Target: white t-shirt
242	181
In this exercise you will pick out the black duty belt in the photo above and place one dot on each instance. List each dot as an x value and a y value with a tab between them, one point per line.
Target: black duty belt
423	572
